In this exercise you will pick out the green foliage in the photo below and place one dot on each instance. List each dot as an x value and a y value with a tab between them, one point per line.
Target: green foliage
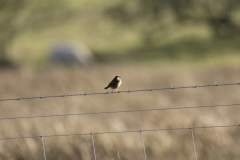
219	15
9	10
17	16
154	29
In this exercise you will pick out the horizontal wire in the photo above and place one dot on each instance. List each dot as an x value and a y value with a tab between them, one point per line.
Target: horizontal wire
118	132
124	91
114	112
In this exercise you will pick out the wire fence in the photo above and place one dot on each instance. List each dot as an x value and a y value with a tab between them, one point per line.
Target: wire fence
124	91
141	131
120	111
119	132
44	152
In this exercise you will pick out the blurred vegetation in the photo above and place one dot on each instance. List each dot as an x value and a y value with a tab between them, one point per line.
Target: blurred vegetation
17	16
154	15
120	30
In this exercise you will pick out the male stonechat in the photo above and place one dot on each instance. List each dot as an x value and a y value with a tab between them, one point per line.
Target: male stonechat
115	83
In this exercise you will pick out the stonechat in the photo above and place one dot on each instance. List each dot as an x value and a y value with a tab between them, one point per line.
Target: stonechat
115	83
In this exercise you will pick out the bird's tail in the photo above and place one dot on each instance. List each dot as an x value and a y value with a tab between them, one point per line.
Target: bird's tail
106	87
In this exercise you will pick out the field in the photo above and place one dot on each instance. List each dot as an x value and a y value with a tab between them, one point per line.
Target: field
217	143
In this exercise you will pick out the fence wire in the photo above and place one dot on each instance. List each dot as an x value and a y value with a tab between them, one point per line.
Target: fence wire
124	91
119	132
94	150
194	146
44	152
120	111
144	149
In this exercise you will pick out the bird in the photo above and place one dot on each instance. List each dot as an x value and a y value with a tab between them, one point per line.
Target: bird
115	83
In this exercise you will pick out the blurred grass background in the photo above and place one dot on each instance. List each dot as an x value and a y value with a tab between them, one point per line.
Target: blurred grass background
155	43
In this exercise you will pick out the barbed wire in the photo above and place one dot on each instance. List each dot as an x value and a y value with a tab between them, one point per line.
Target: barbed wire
124	91
120	111
119	132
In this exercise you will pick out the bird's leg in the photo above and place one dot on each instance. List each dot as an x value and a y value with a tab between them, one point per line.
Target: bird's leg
112	91
106	91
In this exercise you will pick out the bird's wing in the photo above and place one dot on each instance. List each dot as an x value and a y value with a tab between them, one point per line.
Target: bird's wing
112	83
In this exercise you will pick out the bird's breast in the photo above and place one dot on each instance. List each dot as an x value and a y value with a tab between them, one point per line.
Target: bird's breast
119	83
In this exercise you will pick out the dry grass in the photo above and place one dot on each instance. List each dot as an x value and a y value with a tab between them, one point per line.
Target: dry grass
210	143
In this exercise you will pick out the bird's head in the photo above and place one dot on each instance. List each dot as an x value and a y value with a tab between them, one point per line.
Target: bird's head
118	78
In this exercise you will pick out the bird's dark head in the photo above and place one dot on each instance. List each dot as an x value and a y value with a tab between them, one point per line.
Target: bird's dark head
118	78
